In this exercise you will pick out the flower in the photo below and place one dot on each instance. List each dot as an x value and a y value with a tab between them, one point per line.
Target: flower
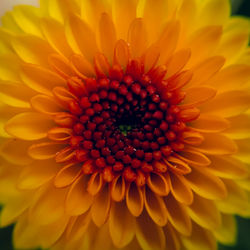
124	124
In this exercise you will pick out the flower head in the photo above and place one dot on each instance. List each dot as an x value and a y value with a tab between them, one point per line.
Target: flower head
124	124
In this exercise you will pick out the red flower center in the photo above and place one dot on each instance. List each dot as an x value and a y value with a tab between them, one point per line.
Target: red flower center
125	125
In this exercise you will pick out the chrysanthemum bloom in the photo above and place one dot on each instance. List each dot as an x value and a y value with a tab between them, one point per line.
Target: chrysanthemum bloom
124	124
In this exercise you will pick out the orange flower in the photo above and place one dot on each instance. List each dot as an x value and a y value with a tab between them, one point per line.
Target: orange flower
124	124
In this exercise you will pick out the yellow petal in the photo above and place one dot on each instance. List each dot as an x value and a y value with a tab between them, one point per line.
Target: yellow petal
121	224
180	189
67	175
78	199
243	150
55	35
134	199
41	79
228	104
137	37
36	235
198	95
101	206
15	94
95	183
45	150
60	134
239	127
126	10
45	104
84	36
107	35
227	167
27	18
15	151
149	234
155	207
47	205
236	200
200	239
37	174
217	144
210	123
118	189
178	216
10	67
177	166
214	12
205	213
177	61
158	184
29	126
206	184
10	24
32	49
226	234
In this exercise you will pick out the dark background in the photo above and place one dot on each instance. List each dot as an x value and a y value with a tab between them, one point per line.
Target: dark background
243	242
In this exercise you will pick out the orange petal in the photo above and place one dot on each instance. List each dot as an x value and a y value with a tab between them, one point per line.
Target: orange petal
155	207
177	166
82	66
126	10
37	174
193	157
60	134
84	36
178	216
29	126
107	35
206	184
192	138
102	65
227	167
45	104
45	150
197	95
67	175
243	150
239	127
78	199
206	70
200	239
121	225
226	234
65	154
217	144
40	79
121	54
150	58
101	206
177	61
137	37
134	199
180	189
118	189
15	151
210	124
173	241
47	205
61	66
149	234
205	213
228	104
63	96
158	184
95	183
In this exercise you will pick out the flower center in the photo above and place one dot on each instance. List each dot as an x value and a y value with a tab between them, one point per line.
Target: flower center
124	126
